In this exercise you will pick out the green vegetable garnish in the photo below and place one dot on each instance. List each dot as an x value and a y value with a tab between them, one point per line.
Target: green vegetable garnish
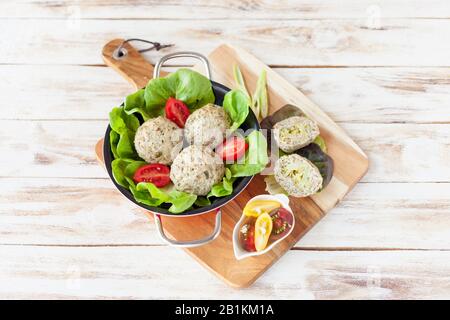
123	170
186	85
202	202
224	188
256	158
259	101
125	127
181	201
239	79
321	143
236	104
135	103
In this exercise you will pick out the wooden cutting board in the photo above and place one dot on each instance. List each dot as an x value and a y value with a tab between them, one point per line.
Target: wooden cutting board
350	166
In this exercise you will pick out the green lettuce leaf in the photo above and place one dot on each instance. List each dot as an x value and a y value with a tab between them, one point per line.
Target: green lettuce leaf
131	168
124	169
125	147
256	158
143	196
154	191
135	103
189	86
121	122
125	126
237	104
181	201
202	202
114	140
118	171
223	188
149	194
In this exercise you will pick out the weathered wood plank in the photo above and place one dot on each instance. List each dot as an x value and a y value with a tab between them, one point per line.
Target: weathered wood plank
406	153
92	212
387	215
50	148
61	92
71	212
346	94
397	152
234	9
43	272
376	94
396	42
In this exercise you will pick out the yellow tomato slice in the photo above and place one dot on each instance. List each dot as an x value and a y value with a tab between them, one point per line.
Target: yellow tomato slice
257	207
263	229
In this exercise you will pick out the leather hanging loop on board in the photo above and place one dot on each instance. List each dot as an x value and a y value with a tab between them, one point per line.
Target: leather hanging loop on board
121	52
128	61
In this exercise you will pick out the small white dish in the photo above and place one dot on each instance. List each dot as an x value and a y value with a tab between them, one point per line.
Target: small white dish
239	252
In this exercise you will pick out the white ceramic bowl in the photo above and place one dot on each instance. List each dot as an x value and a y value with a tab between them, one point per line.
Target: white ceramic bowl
239	252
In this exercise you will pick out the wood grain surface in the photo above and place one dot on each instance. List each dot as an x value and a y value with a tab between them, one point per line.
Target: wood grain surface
376	95
285	42
66	233
216	9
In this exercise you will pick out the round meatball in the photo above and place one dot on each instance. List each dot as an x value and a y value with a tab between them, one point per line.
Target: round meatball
158	140
207	126
196	169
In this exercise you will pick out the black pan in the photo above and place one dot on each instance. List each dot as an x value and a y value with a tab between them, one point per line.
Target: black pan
250	123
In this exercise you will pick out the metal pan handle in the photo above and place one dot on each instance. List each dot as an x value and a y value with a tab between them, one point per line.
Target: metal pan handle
182	54
158	220
191	243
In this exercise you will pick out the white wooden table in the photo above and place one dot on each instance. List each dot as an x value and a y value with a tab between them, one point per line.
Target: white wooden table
381	69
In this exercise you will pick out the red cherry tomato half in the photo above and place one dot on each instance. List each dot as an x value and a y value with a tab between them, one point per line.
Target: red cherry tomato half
176	111
282	222
285	215
278	224
232	148
156	173
249	239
